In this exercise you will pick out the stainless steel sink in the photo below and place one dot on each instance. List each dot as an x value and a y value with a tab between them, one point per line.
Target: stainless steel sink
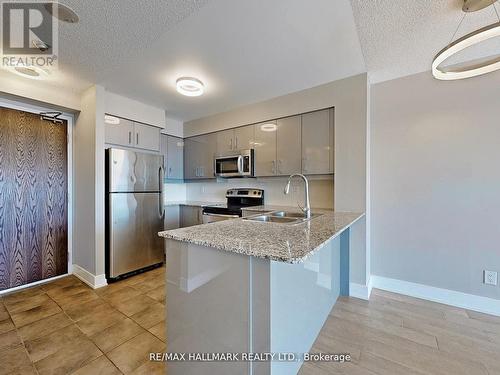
282	217
274	219
299	215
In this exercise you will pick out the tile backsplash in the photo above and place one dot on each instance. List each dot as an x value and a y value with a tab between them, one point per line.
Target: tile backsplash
320	189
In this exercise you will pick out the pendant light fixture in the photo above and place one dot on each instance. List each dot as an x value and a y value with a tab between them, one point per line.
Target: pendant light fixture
471	39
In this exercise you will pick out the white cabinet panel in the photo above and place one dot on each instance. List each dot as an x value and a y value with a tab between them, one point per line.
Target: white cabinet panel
146	137
316	142
288	142
265	148
244	137
121	134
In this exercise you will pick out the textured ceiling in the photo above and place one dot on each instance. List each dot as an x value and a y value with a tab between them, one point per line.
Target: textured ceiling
245	51
402	37
248	51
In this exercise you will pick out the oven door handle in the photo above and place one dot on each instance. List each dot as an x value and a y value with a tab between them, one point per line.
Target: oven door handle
220	215
240	164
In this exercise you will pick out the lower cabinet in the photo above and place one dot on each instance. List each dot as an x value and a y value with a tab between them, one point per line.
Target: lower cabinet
190	215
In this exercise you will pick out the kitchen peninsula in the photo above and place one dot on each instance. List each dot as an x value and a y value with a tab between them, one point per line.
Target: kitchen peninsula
245	285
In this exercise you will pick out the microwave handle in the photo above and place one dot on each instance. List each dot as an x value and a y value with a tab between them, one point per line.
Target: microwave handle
240	164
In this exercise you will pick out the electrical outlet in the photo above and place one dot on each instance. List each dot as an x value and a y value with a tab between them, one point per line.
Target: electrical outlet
490	277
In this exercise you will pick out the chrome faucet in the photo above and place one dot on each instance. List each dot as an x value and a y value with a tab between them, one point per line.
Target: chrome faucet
307	208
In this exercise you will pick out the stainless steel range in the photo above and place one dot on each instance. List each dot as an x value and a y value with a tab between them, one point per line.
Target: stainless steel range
236	200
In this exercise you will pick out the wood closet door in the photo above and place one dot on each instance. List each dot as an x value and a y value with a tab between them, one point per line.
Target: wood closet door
33	198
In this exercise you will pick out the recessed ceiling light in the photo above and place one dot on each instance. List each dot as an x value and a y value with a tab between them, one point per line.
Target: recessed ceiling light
33	72
268	127
62	12
189	86
112	120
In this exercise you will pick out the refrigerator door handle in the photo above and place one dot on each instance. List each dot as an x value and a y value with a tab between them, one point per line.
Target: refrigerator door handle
161	205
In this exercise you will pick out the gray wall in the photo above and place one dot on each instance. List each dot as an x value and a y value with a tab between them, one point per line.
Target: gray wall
435	179
349	96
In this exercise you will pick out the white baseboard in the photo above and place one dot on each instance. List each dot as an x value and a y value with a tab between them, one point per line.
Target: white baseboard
448	297
88	278
360	291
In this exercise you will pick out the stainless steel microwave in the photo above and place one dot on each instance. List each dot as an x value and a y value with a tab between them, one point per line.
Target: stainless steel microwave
235	164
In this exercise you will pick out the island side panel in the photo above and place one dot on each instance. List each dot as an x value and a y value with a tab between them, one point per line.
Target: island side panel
302	296
208	306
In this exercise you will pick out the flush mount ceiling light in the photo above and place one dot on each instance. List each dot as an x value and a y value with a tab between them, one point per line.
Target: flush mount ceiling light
112	120
471	39
33	72
268	127
62	12
189	86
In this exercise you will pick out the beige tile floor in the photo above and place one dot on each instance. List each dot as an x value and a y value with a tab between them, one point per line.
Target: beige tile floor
64	327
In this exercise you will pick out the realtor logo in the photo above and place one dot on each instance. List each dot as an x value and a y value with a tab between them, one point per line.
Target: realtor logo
29	35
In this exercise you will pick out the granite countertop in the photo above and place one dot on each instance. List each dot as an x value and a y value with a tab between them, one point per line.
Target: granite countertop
193	203
274	241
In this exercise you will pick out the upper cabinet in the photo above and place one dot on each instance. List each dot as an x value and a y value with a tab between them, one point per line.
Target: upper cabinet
172	148
265	149
296	144
119	133
122	132
276	147
288	142
199	155
146	137
317	142
241	138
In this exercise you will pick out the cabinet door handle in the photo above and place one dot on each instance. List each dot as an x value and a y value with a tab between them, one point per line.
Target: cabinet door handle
273	168
236	142
279	166
231	144
137	138
130	138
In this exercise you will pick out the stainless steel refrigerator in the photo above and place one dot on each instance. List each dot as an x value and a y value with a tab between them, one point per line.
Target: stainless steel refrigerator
134	211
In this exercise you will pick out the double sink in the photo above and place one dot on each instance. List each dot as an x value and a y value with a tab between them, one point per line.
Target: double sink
282	217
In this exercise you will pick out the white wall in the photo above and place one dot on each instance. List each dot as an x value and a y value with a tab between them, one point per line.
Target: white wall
131	109
436	181
83	180
35	92
88	184
350	98
173	127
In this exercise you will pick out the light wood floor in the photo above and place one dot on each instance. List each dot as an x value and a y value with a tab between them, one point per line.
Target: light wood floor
64	327
398	335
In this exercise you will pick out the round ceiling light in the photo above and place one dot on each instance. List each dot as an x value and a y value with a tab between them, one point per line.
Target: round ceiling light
189	86
112	120
467	41
62	12
268	127
33	72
